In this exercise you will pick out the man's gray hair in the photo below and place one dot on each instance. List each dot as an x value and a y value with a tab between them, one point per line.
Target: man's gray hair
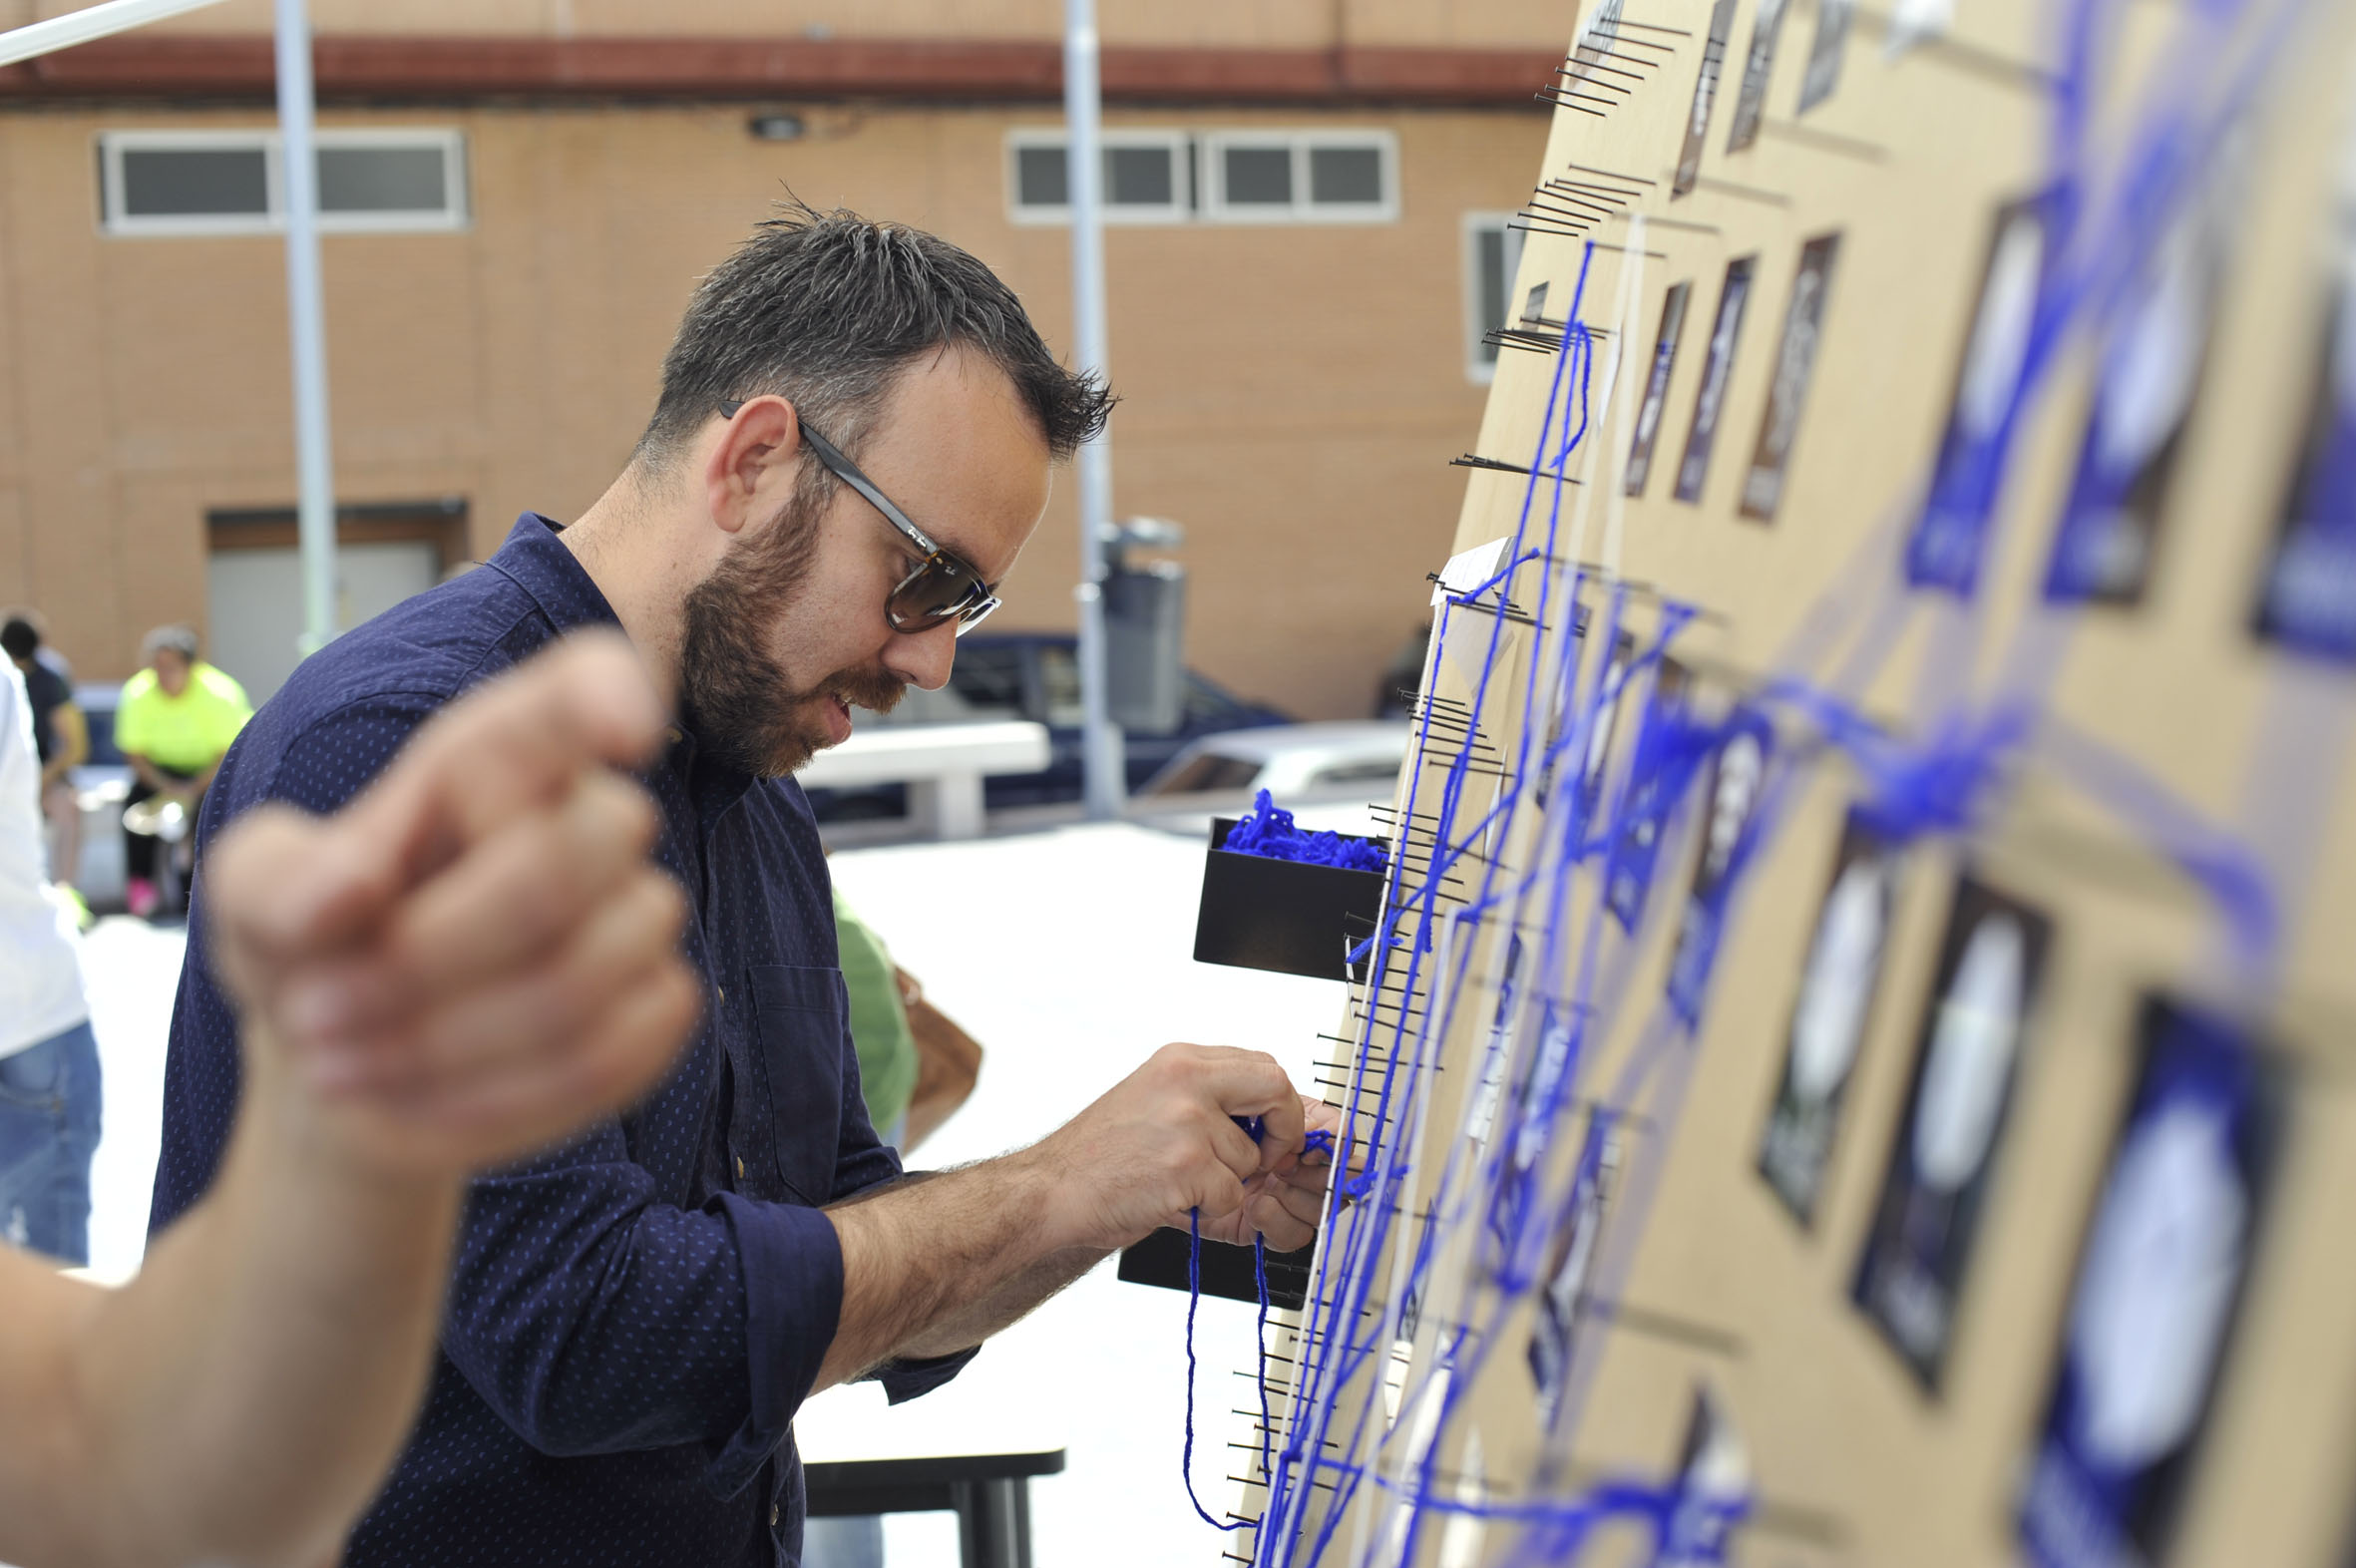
824	310
179	639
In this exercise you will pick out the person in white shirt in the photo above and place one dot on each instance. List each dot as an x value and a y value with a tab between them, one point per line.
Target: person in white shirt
49	1075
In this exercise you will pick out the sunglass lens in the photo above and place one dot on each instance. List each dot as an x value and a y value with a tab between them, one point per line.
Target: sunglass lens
973	617
934	592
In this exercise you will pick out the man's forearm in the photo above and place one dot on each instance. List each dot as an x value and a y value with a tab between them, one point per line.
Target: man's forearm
969	1325
248	1389
926	1260
933	1266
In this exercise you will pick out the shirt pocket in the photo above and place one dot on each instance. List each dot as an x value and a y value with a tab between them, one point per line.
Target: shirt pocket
797	1076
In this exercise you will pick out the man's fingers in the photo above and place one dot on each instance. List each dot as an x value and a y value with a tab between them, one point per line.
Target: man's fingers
542	1097
512	744
536	1009
1304	1203
284	885
522	892
1315	1117
1277	1224
1252	1084
1234	1148
1221	1196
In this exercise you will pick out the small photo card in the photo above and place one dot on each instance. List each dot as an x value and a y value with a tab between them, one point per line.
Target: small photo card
1655	387
1827	51
1796	362
1717	371
1732	793
2158	1285
1918	1255
2151	363
1758	66
1951	534
1829	1020
2307	599
1696	129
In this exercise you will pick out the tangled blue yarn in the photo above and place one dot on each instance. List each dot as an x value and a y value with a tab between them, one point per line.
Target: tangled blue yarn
1269	831
1317	1140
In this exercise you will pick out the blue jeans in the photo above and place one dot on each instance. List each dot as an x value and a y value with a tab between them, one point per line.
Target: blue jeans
48	1117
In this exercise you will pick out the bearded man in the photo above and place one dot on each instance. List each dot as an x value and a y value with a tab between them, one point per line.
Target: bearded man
853	441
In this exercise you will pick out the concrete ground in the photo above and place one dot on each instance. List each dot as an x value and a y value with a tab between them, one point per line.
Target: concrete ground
1068	952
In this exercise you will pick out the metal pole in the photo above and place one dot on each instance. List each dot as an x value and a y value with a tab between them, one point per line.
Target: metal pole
298	170
90	22
1100	738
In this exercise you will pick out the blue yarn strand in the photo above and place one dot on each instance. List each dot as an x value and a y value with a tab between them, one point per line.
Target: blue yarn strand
1194	1296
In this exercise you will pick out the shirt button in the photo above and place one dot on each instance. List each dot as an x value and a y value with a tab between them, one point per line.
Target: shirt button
722	991
740	1167
772	1516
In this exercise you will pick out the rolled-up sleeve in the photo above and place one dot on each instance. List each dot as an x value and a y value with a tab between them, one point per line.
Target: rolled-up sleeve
595	1318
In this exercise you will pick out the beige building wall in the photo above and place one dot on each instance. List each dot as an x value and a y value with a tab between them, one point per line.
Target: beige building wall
1299	24
1293	393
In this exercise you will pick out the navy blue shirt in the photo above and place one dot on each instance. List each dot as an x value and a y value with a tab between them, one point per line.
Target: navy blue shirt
634	1317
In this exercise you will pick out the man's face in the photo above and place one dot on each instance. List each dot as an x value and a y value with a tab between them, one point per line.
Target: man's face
787	633
172	672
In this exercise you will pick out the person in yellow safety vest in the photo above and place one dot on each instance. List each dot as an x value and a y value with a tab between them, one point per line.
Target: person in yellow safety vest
173	724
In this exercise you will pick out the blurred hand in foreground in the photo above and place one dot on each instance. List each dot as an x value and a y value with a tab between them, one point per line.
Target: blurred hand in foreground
477	956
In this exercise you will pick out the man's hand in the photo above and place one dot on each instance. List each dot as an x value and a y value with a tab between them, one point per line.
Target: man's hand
476	957
1282	1203
1164	1141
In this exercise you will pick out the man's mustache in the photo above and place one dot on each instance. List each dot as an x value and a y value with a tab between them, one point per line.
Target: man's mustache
877	694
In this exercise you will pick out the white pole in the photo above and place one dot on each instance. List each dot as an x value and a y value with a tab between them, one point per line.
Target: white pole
1101	744
298	167
80	27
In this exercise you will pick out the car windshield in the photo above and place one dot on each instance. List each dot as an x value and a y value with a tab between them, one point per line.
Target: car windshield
1372	771
1206	771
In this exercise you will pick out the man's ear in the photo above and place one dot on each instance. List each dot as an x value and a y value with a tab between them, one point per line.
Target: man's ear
752	467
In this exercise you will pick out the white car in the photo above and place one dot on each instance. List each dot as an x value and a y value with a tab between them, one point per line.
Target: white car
1342	767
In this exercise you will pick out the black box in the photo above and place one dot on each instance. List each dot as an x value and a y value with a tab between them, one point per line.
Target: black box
1283	915
1160	1258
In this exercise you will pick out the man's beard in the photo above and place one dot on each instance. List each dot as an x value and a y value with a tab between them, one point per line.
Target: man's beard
735	696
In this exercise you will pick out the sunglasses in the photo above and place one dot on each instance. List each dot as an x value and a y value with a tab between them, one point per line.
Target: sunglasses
942	588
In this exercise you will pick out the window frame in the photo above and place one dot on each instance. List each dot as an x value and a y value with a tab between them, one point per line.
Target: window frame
1303	208
457	214
1180	208
1480	371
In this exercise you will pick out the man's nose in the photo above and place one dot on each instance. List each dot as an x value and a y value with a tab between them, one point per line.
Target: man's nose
923	659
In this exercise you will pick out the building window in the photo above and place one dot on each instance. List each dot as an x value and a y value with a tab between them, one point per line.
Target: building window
1302	176
1148	177
1243	176
1492	254
231	182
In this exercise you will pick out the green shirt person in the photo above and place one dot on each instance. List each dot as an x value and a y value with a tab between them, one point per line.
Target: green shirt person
880	1033
173	724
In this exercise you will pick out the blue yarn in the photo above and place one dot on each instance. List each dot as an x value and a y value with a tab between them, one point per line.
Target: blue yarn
1269	833
1194	1296
1316	1141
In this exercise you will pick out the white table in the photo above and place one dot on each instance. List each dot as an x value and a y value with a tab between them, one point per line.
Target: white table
942	766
